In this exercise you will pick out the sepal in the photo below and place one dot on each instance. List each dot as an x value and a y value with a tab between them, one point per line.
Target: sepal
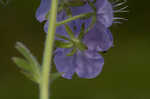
62	44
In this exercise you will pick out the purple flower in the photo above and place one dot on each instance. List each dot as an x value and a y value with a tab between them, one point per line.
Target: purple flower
87	64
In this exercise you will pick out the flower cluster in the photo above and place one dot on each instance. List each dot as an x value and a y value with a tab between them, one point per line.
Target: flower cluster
82	38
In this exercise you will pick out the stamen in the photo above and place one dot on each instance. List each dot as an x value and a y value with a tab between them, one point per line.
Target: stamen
122	9
118	11
117	22
119	4
114	2
119	18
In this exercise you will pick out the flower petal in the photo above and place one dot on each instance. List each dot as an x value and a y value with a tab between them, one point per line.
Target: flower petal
42	10
59	29
89	64
99	38
78	24
105	14
64	63
100	3
81	10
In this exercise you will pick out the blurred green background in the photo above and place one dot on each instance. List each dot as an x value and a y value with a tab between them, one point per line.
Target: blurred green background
126	74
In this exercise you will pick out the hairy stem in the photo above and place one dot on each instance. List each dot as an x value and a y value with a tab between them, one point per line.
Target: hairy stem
48	52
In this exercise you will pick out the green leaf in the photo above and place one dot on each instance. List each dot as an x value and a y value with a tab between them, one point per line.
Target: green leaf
31	77
26	53
21	63
29	64
28	56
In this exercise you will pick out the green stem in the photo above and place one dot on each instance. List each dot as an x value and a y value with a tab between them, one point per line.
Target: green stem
48	52
75	17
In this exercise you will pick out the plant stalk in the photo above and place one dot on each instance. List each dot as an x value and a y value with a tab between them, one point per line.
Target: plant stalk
48	52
